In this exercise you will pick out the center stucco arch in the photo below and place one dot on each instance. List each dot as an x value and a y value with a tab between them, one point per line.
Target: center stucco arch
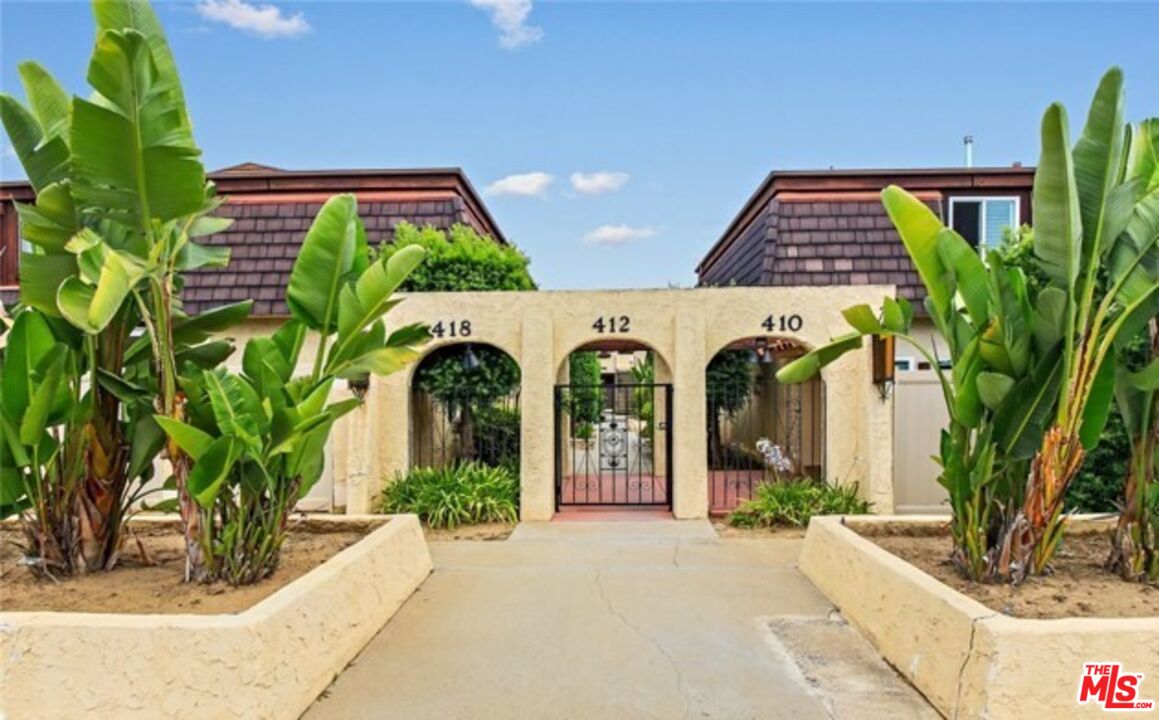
685	328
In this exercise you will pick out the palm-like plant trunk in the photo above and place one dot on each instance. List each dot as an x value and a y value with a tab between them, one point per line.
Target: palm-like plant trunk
197	569
1133	554
99	502
1034	533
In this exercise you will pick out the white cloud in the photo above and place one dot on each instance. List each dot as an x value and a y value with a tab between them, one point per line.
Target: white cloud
262	20
618	234
532	184
598	183
510	18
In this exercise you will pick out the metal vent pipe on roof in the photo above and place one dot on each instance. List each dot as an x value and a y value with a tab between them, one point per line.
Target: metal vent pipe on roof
968	142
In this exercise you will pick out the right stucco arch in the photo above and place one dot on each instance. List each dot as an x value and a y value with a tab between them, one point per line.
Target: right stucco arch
684	328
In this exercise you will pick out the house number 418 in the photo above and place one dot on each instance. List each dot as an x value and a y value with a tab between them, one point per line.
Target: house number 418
452	328
782	323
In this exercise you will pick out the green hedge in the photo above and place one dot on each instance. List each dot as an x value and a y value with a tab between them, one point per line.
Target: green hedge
461	494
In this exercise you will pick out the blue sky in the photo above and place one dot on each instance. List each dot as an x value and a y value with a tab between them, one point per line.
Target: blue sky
684	107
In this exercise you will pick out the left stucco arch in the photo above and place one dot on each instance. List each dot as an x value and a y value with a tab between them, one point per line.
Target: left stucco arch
684	327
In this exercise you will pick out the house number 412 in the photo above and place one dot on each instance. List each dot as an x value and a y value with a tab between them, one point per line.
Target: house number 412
613	324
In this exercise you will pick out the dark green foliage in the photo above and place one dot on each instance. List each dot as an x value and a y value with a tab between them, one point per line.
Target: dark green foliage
1017	250
794	503
444	375
1099	485
459	261
586	401
463	494
728	384
497	434
463	261
729	380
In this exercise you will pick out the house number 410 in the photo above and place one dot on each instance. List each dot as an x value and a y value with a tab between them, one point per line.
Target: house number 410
782	323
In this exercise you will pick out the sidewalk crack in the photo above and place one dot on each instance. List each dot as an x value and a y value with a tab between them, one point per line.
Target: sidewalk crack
644	636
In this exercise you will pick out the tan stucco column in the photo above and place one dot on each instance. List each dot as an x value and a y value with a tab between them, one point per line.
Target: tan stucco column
388	438
689	453
879	414
537	407
351	461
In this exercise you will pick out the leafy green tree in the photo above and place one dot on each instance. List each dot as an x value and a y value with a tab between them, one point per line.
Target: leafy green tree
586	396
1135	542
257	440
728	382
121	197
1097	238
462	260
1099	485
467	389
1030	383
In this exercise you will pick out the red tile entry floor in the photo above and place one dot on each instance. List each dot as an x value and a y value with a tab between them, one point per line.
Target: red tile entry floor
727	489
609	488
608	513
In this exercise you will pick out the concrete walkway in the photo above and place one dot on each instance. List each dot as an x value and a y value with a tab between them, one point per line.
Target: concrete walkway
618	620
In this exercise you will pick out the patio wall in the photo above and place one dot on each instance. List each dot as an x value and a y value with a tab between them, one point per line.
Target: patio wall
685	328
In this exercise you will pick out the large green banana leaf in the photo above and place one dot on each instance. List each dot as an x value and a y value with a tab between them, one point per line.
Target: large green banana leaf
30	341
1098	162
133	152
919	228
1057	222
333	254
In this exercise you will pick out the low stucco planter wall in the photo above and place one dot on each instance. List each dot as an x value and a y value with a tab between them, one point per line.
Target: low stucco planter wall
968	660
270	661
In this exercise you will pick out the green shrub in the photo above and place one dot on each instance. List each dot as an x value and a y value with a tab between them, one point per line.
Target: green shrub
461	260
461	494
586	397
794	502
497	437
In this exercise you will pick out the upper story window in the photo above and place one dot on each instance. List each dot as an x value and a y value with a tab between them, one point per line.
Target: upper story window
981	219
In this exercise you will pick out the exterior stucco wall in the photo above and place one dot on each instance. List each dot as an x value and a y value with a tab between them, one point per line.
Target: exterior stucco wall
685	328
270	661
968	660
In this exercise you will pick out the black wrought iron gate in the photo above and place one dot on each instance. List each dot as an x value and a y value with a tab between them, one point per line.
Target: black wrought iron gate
613	445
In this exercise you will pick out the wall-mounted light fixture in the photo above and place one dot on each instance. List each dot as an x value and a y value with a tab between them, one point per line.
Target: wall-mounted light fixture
883	364
470	360
359	386
764	356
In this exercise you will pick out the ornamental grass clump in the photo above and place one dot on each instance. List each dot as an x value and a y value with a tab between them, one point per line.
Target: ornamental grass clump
461	494
794	502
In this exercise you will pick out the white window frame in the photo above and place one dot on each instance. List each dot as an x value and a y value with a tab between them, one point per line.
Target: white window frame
982	218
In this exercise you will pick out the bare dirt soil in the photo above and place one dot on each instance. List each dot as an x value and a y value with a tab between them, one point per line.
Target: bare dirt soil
482	531
158	588
1078	586
724	530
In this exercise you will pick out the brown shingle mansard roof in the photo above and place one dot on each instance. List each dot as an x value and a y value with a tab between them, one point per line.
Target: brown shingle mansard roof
828	227
273	208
